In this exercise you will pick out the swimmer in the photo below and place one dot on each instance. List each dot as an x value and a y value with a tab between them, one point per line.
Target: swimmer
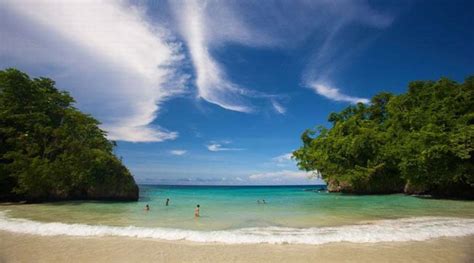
167	201
147	207
196	211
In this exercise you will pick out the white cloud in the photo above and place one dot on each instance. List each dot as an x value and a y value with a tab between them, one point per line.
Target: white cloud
205	25
121	67
209	25
115	63
283	158
215	147
335	94
281	175
218	147
337	43
211	80
278	107
178	152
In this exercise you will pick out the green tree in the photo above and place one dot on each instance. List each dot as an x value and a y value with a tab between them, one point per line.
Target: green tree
50	150
418	142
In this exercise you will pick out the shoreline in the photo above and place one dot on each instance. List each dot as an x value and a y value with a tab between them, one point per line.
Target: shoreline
25	248
394	230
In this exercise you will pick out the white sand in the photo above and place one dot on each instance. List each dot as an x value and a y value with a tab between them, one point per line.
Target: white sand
31	248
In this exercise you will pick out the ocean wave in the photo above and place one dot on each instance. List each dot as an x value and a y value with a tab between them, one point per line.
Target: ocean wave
405	229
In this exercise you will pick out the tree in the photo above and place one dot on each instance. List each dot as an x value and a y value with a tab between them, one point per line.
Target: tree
418	142
50	150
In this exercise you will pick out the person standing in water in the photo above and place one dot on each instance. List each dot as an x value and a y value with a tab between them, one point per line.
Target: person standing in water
147	208
167	201
196	211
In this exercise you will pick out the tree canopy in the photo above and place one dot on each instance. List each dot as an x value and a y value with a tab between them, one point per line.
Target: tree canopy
49	150
418	142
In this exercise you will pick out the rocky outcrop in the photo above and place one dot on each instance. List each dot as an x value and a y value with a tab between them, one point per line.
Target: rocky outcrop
335	186
367	185
459	191
413	189
123	191
451	191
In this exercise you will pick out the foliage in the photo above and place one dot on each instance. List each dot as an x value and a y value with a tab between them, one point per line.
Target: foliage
420	142
49	149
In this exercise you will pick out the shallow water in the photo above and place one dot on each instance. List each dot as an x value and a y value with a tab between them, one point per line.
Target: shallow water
295	214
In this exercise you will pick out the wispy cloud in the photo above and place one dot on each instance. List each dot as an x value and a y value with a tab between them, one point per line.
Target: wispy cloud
209	25
281	175
204	26
278	107
211	80
335	94
287	175
283	158
333	53
123	81
117	65
219	147
178	152
195	180
238	179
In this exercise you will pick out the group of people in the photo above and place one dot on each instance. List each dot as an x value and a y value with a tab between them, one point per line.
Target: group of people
196	210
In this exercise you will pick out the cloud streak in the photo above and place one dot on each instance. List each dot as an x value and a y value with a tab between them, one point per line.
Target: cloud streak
332	54
178	152
206	25
211	80
278	107
210	25
119	67
281	175
335	94
218	147
283	158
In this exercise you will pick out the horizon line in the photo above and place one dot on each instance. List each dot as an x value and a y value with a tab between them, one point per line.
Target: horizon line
157	184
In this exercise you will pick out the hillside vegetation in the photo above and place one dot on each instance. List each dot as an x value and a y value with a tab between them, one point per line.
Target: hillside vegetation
49	150
419	142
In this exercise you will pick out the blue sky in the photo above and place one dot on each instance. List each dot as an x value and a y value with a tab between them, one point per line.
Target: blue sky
218	92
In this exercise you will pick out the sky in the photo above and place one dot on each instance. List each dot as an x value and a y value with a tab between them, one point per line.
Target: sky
219	92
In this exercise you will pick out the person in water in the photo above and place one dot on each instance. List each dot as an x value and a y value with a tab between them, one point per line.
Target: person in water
196	211
167	201
263	201
147	207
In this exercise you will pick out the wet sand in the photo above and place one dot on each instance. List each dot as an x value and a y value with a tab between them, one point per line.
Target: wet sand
32	248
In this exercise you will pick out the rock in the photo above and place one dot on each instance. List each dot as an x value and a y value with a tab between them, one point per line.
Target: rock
413	189
367	185
121	192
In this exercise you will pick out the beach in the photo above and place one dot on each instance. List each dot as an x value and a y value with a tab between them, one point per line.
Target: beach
236	131
296	224
28	248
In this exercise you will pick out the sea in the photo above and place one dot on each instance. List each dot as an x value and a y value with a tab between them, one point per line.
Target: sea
247	215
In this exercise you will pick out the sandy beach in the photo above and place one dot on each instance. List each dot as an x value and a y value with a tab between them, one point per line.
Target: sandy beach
28	248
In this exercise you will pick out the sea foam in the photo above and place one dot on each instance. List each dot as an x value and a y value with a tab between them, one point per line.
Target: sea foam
405	229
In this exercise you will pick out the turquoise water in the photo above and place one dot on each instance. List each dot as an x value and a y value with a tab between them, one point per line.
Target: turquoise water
227	207
233	208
